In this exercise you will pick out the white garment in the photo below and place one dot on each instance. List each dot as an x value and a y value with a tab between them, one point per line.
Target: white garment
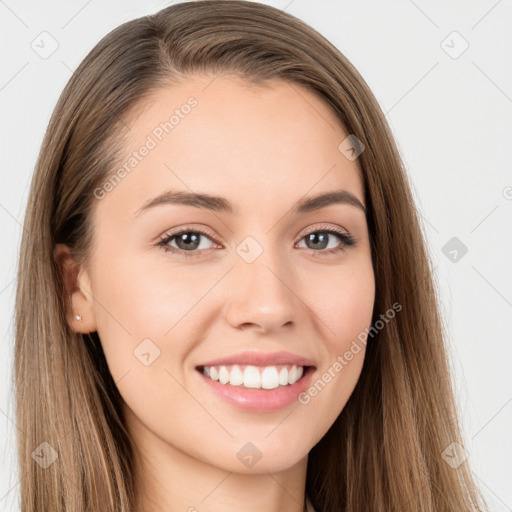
309	506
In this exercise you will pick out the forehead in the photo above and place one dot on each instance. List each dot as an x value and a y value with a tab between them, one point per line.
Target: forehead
272	142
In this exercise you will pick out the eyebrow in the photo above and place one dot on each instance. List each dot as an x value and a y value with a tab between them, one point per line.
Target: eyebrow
221	204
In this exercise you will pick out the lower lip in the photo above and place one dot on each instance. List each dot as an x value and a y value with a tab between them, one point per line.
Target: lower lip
260	400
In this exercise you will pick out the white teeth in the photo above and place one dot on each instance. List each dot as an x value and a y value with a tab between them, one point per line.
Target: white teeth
268	377
292	375
237	377
214	374
252	377
223	375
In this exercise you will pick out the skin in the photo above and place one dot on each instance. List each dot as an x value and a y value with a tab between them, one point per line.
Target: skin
263	148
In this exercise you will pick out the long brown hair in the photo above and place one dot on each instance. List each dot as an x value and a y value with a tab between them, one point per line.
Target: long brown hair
384	451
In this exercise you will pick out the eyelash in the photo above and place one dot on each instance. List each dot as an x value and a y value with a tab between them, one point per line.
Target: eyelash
347	240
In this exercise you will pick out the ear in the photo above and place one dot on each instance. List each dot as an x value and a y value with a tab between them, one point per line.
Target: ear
78	291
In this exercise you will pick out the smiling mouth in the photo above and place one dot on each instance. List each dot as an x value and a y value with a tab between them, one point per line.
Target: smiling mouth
255	377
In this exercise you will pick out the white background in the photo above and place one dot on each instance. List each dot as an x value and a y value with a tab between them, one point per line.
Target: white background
452	118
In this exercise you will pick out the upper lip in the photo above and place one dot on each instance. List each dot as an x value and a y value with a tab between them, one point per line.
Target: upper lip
261	359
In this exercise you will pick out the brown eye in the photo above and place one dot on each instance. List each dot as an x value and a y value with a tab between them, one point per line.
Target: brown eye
188	242
320	240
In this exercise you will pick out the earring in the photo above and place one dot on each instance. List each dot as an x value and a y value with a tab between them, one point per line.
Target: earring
78	317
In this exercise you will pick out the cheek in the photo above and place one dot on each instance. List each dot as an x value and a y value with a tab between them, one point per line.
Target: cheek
351	319
145	313
346	309
344	302
351	311
139	300
138	322
127	302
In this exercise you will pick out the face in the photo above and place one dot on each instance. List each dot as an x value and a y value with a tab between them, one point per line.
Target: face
205	306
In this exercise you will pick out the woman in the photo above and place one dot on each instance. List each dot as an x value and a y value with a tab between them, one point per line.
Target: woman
224	297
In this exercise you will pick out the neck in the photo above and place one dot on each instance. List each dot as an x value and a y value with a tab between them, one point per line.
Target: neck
167	479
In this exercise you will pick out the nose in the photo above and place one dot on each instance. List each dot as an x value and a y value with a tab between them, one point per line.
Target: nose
262	295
